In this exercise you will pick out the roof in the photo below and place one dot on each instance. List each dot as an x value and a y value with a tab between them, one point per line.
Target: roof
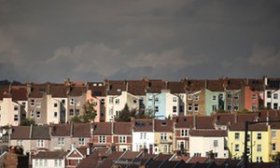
123	128
92	160
155	86
61	130
224	118
58	90
143	125
102	128
273	83
76	91
208	133
254	127
163	125
20	132
37	90
97	89
116	87
81	130
137	87
204	122
184	122
50	155
197	160
19	93
215	85
176	87
40	132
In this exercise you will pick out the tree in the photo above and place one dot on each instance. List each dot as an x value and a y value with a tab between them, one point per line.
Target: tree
27	122
124	115
89	113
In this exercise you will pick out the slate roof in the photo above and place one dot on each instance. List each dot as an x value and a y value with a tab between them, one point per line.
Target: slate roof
155	86
116	87
163	125
224	118
215	85
137	87
102	128
176	87
20	132
58	90
37	90
208	133
143	125
19	93
123	128
61	130
254	127
50	155
81	130
40	132
76	91
184	122
204	122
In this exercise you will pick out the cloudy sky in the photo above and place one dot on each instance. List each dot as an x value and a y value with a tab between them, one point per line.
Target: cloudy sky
50	40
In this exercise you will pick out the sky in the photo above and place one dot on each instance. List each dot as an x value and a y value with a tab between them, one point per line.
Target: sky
93	40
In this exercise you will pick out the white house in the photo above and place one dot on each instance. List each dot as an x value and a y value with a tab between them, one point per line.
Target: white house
10	112
143	135
202	142
116	103
49	159
272	93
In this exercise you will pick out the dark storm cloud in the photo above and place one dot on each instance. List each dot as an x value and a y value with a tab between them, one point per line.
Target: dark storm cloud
92	40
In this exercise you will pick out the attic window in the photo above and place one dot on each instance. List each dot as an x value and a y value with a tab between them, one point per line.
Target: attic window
119	90
94	84
163	124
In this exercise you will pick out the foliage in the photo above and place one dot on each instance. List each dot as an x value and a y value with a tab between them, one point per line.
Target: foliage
126	114
27	122
89	114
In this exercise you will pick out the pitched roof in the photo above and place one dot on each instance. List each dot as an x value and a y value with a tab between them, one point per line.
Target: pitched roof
143	125
197	160
58	90
20	132
61	130
97	89
247	117
176	87
116	87
50	155
76	91
224	118
40	132
215	85
204	122
123	128
273	83
81	130
208	133
193	85
163	125
184	122
137	87
155	86
109	161
92	160
102	128
37	90
254	127
234	83
19	93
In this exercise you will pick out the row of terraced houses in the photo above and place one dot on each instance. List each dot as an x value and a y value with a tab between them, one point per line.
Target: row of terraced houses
221	134
193	117
57	103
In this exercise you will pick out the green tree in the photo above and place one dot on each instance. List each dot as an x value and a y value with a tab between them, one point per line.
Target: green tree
124	115
89	113
27	122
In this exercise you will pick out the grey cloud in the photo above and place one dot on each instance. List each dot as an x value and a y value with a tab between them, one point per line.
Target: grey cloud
53	40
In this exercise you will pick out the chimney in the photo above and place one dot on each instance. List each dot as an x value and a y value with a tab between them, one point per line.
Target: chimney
265	80
28	88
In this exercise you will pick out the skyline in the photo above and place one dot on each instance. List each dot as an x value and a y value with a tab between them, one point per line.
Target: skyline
90	41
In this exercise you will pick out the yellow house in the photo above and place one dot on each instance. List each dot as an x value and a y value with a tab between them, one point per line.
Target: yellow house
258	142
163	136
275	140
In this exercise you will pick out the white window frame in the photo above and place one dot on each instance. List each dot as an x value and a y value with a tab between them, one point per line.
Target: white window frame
163	136
40	143
102	139
122	139
60	141
183	132
82	141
